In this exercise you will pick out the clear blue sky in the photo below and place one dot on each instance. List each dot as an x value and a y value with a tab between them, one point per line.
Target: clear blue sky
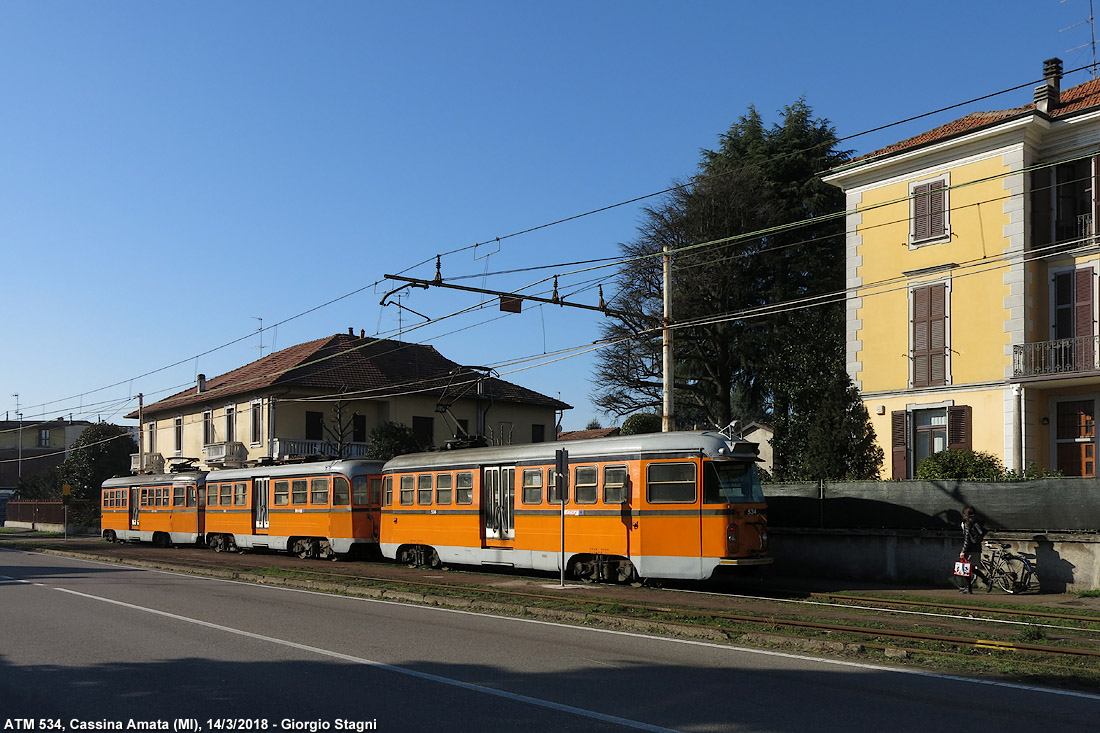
169	172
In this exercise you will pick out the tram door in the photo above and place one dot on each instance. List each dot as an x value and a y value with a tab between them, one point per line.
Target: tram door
259	505
135	508
498	494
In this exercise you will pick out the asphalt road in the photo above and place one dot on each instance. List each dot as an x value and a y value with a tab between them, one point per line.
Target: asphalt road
88	643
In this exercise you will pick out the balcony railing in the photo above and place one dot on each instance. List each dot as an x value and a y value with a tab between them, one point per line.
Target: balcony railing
283	448
231	452
1063	356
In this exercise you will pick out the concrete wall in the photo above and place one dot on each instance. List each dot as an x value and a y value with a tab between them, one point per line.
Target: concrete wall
1063	561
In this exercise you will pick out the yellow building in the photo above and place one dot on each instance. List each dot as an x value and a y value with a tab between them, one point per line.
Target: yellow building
324	397
972	260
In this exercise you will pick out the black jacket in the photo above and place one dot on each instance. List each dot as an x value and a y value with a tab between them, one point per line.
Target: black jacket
973	532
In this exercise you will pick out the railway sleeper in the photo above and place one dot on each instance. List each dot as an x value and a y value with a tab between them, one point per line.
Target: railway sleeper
603	569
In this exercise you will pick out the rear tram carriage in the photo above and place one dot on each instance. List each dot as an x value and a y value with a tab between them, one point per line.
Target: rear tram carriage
164	509
662	505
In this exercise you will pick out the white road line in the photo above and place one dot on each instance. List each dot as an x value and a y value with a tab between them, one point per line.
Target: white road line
672	640
615	720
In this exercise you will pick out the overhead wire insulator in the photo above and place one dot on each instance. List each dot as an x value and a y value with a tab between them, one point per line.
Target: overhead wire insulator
554	298
438	271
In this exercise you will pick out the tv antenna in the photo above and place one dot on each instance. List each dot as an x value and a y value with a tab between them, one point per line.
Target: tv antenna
1091	20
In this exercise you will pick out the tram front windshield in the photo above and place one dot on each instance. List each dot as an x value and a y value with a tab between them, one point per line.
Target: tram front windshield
731	482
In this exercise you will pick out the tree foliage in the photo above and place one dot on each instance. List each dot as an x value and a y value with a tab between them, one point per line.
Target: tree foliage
962	465
392	439
758	259
101	452
641	422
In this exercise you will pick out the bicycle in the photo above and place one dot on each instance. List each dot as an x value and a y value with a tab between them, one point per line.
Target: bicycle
1010	572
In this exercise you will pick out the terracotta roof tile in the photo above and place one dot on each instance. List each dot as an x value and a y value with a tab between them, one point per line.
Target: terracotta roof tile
1072	100
587	434
344	363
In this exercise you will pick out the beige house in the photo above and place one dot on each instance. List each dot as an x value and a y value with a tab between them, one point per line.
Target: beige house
32	446
324	397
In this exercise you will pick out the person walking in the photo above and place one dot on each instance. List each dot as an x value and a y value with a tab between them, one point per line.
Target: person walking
973	532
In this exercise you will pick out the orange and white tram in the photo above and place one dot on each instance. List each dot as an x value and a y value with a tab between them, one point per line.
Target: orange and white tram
317	509
661	505
164	509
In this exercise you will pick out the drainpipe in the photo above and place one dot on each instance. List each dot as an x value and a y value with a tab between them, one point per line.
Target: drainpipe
1018	427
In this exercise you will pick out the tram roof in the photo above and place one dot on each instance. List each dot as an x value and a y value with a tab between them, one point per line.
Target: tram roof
707	443
345	466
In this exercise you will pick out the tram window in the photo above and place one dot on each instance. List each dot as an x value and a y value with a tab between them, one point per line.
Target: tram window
729	482
552	494
464	488
192	496
177	495
212	495
614	484
387	491
584	484
408	488
240	494
424	489
225	491
299	491
282	493
359	491
532	486
374	495
341	490
443	488
670	483
318	491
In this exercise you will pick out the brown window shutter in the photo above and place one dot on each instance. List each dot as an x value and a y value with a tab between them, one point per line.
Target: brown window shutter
930	336
959	430
937	208
920	336
1083	322
937	335
899	443
921	220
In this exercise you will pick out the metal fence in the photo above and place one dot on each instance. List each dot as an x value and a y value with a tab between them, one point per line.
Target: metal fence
45	512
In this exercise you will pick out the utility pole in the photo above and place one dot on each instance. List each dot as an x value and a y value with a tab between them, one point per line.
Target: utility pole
668	417
19	417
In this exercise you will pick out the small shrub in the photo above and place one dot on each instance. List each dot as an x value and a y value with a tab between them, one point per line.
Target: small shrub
966	465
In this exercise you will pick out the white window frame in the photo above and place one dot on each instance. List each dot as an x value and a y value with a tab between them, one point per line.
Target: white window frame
256	423
230	423
177	431
208	427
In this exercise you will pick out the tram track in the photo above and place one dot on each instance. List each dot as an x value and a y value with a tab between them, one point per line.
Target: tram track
721	620
761	622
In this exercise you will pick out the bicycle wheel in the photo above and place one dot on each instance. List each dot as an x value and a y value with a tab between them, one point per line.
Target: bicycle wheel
1013	574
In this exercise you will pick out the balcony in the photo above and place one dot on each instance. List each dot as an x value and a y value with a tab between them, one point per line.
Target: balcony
1052	358
225	454
154	463
284	448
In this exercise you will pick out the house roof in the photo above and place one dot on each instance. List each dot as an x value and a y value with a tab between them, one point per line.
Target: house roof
1071	101
357	366
587	434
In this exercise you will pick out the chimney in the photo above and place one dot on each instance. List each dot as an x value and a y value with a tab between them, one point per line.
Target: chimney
1047	97
201	384
362	333
351	330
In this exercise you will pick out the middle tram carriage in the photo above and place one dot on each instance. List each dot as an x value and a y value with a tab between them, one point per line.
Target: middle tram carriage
662	505
319	509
